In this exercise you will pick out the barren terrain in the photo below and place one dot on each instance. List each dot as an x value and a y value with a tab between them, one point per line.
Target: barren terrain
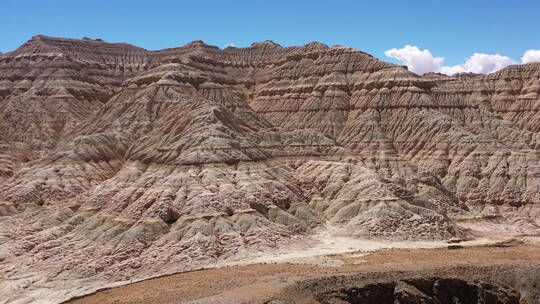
119	164
514	266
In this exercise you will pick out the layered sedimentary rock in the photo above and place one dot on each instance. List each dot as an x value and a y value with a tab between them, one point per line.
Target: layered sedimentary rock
119	163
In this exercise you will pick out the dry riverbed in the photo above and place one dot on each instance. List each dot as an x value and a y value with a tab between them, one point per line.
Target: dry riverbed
258	283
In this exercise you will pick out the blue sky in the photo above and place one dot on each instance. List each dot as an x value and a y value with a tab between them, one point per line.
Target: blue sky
454	30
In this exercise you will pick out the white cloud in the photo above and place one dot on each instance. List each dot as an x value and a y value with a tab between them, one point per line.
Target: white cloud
422	61
451	70
531	56
230	45
481	64
417	61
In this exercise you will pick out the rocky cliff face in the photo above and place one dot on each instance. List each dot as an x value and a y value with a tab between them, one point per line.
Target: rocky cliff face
117	162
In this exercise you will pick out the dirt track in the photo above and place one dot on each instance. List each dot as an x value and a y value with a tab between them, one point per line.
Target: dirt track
260	282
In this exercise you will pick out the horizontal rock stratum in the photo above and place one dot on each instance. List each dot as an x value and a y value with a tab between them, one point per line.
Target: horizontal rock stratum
118	163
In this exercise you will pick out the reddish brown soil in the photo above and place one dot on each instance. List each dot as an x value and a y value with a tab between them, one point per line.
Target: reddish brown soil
257	283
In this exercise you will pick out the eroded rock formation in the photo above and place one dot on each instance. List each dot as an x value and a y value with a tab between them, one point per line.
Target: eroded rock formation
500	284
119	163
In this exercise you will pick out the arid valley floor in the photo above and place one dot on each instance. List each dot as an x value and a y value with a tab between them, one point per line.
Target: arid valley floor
509	263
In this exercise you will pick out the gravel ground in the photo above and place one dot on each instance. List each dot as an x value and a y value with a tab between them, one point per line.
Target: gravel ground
260	283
